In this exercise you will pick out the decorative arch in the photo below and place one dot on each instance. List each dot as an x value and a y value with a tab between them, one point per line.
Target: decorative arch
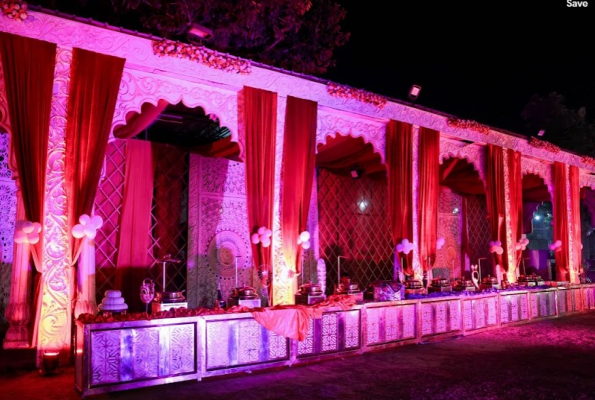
474	154
138	88
331	124
541	169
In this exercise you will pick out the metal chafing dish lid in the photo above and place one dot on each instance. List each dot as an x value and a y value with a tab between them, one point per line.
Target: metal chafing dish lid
490	279
310	288
244	292
440	282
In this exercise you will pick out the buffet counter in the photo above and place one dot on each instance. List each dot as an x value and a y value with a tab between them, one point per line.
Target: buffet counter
114	356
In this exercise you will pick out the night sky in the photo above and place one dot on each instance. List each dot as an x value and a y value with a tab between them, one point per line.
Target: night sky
481	62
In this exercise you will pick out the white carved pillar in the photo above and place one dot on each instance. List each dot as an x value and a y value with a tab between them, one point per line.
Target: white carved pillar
85	302
283	283
55	314
415	239
511	275
572	268
18	312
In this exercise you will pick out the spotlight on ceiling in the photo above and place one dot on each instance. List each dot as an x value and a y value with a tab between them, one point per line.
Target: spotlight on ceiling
541	132
414	92
200	31
356	172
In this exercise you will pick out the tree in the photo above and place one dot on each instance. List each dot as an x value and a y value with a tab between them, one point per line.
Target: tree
296	35
564	127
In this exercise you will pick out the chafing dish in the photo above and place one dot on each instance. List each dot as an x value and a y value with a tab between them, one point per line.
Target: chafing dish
310	293
170	297
440	285
244	293
489	282
465	284
530	280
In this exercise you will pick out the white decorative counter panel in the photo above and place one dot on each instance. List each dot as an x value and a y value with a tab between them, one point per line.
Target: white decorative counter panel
337	331
543	303
389	322
126	355
514	307
440	317
570	299
588	297
480	312
237	342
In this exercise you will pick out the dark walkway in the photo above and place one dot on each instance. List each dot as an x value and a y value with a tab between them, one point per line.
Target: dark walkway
552	359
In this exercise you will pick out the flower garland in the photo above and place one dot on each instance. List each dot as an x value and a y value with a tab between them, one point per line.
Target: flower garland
202	55
589	161
348	92
468	124
542	144
14	9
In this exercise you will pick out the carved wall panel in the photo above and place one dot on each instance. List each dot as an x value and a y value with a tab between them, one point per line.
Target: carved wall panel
8	205
218	230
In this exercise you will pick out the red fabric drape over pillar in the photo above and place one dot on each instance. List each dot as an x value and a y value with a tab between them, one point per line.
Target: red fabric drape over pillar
515	181
260	118
28	67
299	157
495	200
429	152
399	160
575	209
135	221
561	215
94	84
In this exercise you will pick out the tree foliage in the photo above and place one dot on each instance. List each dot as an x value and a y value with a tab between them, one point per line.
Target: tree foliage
297	35
564	127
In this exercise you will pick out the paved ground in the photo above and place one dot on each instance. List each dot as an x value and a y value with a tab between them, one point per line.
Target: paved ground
553	359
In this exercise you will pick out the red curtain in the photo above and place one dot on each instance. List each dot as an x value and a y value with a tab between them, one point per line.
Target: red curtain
495	198
515	182
575	210
260	117
222	148
169	187
138	122
135	221
94	84
429	149
299	156
561	215
399	160
28	67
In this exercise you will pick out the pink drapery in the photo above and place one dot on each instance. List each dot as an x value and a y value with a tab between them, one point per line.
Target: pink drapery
399	160
561	215
28	67
135	221
495	197
299	157
515	181
429	149
94	84
260	118
575	209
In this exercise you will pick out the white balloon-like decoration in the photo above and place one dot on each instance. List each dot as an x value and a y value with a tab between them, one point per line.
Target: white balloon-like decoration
87	226
304	240
262	236
496	247
522	244
439	243
27	232
556	246
405	246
